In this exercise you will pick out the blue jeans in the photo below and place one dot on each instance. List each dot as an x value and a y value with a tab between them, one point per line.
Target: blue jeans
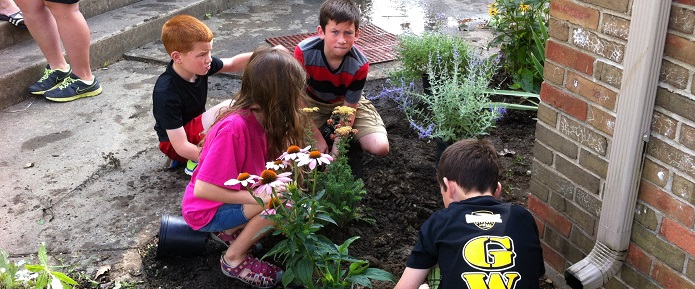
227	216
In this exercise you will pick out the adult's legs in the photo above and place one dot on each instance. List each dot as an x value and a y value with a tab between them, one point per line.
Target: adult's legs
44	30
8	7
74	34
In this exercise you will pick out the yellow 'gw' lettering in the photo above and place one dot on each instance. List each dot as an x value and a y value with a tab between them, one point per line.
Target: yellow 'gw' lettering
490	253
496	280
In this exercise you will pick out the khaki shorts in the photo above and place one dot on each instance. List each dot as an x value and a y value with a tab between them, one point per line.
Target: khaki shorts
367	120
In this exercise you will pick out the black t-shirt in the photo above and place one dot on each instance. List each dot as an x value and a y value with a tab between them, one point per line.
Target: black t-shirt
481	243
176	101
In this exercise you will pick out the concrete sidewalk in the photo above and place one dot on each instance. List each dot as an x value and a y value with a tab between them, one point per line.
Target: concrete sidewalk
86	177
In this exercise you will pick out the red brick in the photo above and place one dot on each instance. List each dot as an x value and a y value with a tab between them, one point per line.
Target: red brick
590	41
567	56
553	258
551	217
674	74
688	136
575	13
680	48
686	2
679	235
558	29
553	73
541	227
615	5
655	173
591	90
666	203
601	120
664	125
564	101
682	20
638	258
608	73
669	278
616	26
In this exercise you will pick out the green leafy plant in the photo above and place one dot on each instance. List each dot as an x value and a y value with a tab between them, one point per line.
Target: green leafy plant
342	190
8	271
40	275
522	33
300	211
415	52
526	100
48	277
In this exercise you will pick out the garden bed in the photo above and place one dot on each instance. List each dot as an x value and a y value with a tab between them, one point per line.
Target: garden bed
401	194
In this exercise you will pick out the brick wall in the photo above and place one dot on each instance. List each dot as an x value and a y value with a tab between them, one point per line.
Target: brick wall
576	120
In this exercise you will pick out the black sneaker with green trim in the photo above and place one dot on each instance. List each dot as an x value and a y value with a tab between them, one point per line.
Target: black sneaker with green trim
50	79
73	88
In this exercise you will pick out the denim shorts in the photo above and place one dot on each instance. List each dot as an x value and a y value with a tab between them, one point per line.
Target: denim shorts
228	216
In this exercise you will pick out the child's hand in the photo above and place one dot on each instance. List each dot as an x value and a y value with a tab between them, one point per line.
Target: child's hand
321	145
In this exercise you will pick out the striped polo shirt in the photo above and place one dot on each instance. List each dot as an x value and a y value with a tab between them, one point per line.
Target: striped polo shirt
331	86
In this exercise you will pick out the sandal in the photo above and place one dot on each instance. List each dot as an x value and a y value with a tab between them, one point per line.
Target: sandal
17	19
253	272
226	240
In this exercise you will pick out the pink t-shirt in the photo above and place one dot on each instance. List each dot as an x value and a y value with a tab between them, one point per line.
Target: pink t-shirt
234	145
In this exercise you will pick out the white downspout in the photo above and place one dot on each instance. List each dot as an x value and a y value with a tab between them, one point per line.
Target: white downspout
642	65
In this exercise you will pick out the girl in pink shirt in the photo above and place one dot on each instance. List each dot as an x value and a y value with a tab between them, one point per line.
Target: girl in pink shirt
263	120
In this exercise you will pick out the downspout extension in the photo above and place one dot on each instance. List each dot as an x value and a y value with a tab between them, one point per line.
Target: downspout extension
596	269
642	64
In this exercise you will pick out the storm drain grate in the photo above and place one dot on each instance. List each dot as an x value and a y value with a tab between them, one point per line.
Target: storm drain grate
377	44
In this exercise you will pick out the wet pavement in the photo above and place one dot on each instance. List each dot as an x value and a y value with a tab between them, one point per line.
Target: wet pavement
86	177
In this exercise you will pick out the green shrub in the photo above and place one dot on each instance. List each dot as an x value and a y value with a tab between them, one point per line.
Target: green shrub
522	33
416	51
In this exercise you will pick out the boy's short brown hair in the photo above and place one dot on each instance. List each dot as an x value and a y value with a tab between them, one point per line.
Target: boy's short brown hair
339	11
182	31
472	164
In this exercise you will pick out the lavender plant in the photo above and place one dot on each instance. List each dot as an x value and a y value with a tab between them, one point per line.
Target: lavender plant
459	105
415	51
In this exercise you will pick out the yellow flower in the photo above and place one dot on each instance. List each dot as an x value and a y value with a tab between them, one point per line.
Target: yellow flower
343	131
310	109
493	11
343	110
524	7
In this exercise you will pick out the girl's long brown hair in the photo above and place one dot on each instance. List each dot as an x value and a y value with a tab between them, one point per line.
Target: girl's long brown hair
272	86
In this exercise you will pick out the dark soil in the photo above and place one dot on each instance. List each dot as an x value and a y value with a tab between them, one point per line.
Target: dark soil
402	194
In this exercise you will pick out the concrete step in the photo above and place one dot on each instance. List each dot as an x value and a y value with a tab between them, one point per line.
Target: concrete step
113	33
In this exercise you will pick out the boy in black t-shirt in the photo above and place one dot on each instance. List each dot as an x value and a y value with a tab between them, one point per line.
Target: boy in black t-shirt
477	241
180	93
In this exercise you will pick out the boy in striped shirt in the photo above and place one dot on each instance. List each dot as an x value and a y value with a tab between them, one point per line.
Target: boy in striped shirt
337	71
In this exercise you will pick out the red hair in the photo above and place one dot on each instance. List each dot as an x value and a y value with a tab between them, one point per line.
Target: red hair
181	32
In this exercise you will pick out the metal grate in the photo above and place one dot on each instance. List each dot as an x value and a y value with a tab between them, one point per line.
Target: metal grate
377	44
